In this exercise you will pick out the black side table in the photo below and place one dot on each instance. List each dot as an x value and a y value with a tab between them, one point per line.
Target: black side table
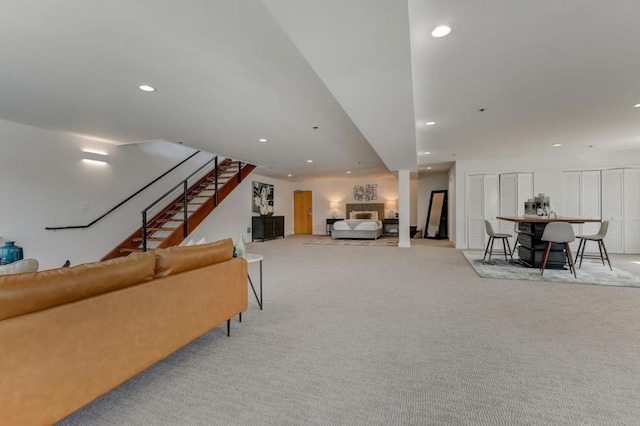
330	222
390	224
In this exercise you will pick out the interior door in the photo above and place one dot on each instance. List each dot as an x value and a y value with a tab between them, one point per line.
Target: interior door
302	212
631	214
475	216
491	206
612	209
508	205
590	206
571	201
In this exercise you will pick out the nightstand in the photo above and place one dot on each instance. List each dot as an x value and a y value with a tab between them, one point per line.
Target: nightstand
390	225
330	222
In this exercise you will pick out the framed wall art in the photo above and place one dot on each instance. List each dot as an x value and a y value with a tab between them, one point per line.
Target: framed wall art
262	198
365	192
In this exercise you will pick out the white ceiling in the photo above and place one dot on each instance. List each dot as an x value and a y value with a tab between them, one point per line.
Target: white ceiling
365	72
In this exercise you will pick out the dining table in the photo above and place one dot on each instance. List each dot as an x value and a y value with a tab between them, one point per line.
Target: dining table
531	246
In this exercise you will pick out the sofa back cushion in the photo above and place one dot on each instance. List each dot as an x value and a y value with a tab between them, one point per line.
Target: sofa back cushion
174	260
35	291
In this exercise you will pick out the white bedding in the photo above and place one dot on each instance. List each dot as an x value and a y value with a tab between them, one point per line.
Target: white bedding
357	225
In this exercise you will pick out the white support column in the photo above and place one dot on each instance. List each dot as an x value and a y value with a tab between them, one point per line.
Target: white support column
404	208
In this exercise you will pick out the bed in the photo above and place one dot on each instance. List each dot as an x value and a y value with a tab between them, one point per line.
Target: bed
364	221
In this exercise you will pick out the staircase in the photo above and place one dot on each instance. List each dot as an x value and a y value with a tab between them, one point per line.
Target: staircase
173	223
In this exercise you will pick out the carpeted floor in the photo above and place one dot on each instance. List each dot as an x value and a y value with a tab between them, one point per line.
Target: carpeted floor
397	336
591	272
381	241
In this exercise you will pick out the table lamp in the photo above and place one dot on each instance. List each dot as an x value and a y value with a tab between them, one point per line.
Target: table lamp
391	204
333	205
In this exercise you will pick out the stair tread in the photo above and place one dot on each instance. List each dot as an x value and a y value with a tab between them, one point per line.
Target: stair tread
137	239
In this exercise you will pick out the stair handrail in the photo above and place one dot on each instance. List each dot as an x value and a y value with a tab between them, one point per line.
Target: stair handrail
55	228
185	190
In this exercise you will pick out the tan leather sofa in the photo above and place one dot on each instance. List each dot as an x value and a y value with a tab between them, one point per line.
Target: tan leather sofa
70	335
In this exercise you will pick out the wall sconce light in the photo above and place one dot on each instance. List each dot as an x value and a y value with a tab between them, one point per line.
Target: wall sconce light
333	205
94	157
392	205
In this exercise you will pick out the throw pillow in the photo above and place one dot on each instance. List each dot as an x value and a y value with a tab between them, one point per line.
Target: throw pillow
363	216
19	267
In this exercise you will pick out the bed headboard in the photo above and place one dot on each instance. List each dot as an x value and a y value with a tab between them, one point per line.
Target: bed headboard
379	207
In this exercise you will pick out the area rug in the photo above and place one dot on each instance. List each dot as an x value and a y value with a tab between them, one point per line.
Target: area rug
592	272
328	241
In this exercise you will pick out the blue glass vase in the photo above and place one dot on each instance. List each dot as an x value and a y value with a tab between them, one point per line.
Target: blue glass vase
10	252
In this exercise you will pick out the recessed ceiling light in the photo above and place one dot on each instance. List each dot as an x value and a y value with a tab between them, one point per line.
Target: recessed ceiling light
555	145
428	168
349	172
289	175
146	88
262	140
309	161
441	31
430	123
636	106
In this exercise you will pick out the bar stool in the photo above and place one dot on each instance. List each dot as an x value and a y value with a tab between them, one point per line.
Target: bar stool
558	233
492	236
599	238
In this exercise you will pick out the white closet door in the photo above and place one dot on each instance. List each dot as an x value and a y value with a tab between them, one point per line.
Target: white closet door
590	206
475	212
631	224
492	204
571	184
508	202
525	191
571	200
490	192
612	209
508	194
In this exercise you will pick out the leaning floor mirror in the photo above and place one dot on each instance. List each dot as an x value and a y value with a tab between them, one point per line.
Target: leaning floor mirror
436	226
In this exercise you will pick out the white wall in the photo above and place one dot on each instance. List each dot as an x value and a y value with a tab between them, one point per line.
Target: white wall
547	176
413	202
233	216
44	183
452	203
427	183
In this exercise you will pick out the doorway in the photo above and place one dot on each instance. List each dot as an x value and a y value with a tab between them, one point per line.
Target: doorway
302	212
